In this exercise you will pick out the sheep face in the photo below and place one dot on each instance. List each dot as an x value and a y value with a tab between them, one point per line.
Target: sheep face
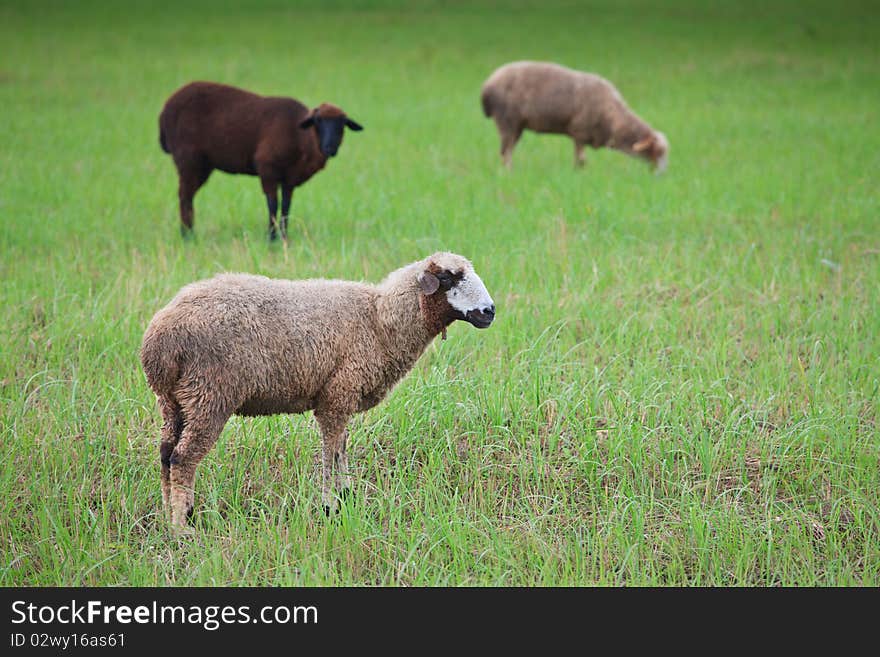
329	122
459	293
655	149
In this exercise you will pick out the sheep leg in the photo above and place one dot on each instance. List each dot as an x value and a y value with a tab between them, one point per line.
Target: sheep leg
333	457
343	479
172	426
196	440
192	174
579	158
272	203
286	197
270	189
509	137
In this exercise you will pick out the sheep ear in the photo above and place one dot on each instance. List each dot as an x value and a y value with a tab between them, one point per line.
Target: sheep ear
309	122
428	282
639	146
353	125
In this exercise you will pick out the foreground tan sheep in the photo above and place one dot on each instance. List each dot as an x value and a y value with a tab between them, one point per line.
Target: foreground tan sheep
250	345
547	97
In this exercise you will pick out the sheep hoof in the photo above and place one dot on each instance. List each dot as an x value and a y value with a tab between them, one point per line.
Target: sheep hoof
343	495
187	233
183	533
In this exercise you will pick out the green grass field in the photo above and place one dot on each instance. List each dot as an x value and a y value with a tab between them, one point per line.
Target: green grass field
681	386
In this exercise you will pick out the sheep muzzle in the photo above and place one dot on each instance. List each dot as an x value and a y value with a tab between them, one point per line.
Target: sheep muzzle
481	318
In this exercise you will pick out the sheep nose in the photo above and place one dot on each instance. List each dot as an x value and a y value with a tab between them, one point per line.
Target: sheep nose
490	311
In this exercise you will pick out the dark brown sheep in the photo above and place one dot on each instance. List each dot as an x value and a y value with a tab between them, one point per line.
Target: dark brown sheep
207	126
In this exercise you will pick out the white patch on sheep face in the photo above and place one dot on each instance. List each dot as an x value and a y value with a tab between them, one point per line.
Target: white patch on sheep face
469	294
471	298
663	160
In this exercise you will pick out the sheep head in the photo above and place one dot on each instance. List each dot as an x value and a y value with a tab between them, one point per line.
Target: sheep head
654	148
329	122
452	290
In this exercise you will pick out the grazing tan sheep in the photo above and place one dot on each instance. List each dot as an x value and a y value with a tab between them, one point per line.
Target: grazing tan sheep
547	97
250	345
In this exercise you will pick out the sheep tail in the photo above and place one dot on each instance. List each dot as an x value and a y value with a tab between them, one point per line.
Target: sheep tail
486	97
160	364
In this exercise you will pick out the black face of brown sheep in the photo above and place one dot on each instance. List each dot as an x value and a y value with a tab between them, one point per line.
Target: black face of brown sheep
458	295
330	130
